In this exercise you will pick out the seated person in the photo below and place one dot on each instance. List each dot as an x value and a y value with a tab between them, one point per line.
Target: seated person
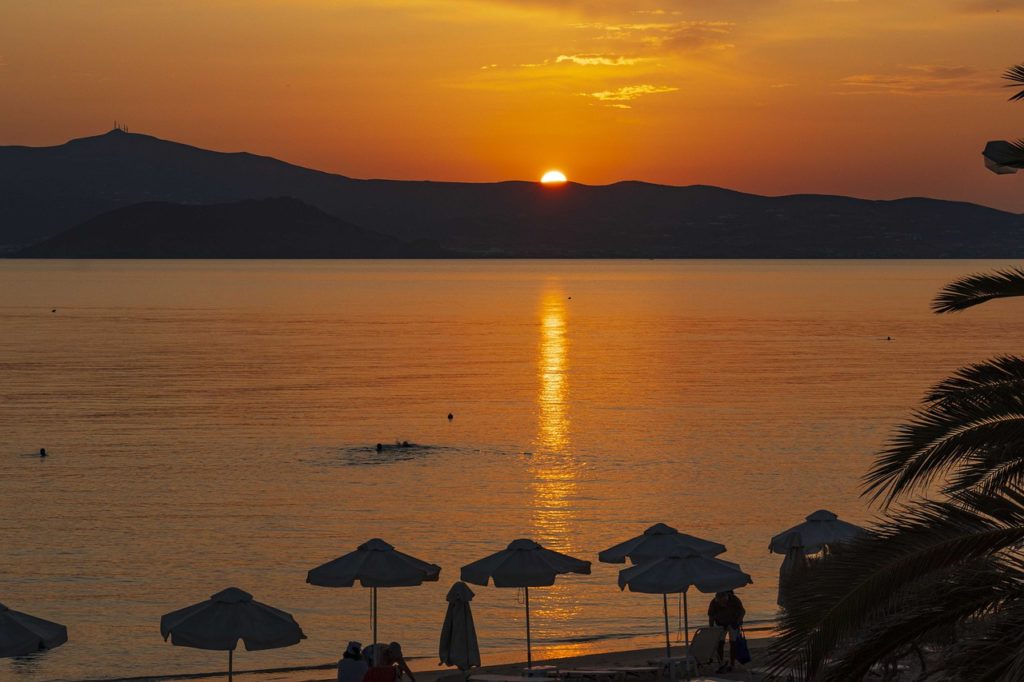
352	666
391	665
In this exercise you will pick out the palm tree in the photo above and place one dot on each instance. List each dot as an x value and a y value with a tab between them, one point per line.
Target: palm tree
949	571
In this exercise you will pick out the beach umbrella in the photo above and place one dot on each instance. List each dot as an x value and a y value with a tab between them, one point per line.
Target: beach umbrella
678	573
1002	157
819	530
795	558
22	634
657	542
228	616
524	564
374	564
458	645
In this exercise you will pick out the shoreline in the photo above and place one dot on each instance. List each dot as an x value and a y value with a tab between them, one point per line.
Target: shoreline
508	663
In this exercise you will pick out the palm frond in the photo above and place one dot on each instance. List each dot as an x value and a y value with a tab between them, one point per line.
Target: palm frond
959	440
992	651
991	379
1015	74
981	287
972	592
852	590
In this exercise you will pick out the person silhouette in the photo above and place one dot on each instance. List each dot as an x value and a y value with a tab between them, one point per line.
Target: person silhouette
42	452
380	447
451	416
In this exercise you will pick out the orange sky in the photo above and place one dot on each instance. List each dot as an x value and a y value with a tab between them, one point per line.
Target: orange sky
873	98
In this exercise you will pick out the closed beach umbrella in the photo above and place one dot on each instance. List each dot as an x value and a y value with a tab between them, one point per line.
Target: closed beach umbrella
819	530
228	616
524	564
656	542
680	572
459	646
374	564
795	558
22	634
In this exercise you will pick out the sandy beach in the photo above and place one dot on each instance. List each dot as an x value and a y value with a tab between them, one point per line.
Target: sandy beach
425	671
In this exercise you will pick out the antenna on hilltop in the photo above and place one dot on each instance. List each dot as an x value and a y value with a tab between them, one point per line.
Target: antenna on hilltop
120	126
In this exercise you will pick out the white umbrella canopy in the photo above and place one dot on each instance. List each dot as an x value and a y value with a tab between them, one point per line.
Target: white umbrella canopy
226	617
819	530
374	564
680	572
526	564
22	634
459	646
659	541
1002	157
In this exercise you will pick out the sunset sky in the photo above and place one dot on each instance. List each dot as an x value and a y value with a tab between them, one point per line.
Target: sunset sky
872	98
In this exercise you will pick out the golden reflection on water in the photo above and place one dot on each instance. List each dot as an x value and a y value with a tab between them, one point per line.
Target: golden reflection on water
555	472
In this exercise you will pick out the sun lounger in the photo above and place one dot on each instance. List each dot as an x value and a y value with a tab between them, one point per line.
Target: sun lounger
704	646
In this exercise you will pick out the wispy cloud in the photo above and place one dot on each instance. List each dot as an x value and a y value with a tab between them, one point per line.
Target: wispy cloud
672	35
627	93
600	60
991	6
926	79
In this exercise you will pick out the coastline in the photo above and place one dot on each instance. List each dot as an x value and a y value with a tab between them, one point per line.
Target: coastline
759	638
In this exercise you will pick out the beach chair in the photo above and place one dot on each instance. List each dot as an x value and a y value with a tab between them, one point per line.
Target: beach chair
704	647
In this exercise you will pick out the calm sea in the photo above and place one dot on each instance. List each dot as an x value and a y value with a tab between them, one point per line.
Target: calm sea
213	424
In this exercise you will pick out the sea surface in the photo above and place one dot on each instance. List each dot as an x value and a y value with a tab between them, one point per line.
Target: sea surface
213	424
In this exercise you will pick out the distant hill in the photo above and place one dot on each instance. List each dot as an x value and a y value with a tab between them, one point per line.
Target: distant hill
44	191
255	228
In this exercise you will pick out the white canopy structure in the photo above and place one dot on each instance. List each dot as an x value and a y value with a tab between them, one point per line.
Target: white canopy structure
22	634
1002	157
657	542
819	530
226	617
526	564
374	564
678	573
459	646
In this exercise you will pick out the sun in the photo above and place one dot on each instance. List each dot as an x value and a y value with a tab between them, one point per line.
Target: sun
553	177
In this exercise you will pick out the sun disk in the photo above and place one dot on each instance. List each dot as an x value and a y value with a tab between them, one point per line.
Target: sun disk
553	177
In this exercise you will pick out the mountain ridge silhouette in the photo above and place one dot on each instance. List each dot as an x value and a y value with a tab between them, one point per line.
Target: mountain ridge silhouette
47	190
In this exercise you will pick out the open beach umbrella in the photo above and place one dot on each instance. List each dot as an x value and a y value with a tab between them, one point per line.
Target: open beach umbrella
819	530
680	572
22	634
657	542
374	564
228	616
458	645
524	564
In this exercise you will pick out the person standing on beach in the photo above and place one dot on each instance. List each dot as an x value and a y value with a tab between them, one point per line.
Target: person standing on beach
726	610
352	666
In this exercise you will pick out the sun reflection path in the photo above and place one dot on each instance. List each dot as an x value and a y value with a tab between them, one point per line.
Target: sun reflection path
555	472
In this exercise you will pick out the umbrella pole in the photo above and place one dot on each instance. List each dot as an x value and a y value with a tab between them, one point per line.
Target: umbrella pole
231	664
686	623
529	654
668	646
375	647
